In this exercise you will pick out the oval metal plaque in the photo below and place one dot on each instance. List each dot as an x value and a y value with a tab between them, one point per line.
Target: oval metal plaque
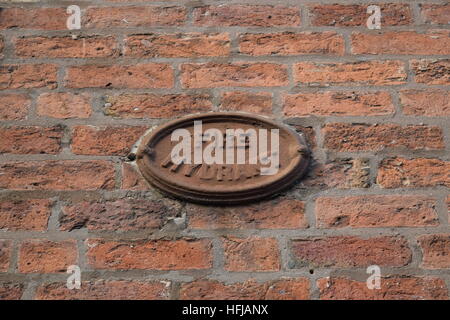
222	158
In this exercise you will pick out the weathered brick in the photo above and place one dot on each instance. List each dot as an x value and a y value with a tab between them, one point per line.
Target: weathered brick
11	291
14	106
350	251
332	103
133	16
30	214
143	75
109	140
149	254
5	255
435	13
43	256
149	105
420	172
367	137
132	179
435	42
57	175
339	173
353	15
253	102
66	47
105	290
376	211
288	289
246	16
448	207
283	289
27	76
435	251
64	105
289	43
31	140
392	288
117	215
427	102
33	18
273	214
431	71
251	254
351	73
241	74
177	45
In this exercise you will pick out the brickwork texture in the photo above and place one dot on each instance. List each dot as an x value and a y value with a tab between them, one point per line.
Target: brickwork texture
373	104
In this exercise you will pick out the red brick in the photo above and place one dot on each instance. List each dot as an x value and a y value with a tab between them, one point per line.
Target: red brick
353	15
435	42
283	289
14	106
117	215
273	214
427	102
289	43
392	288
346	137
246	16
420	172
288	289
132	179
89	140
33	18
64	105
25	214
57	175
149	254
43	256
31	140
138	76
5	255
376	211
11	291
241	74
251	254
133	16
27	76
354	73
435	250
332	103
448	207
435	13
66	47
253	102
339	173
105	290
431	71
150	105
178	45
350	252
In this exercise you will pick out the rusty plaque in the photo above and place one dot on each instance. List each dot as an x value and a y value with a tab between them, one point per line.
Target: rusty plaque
222	157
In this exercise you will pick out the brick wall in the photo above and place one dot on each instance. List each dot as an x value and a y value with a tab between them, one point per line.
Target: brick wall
374	105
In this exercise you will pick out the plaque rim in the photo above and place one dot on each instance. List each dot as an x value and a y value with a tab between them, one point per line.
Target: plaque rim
271	187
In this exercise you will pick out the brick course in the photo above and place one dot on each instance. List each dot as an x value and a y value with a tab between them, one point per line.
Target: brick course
373	105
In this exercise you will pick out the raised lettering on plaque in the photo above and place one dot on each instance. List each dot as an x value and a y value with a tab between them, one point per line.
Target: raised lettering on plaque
222	158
